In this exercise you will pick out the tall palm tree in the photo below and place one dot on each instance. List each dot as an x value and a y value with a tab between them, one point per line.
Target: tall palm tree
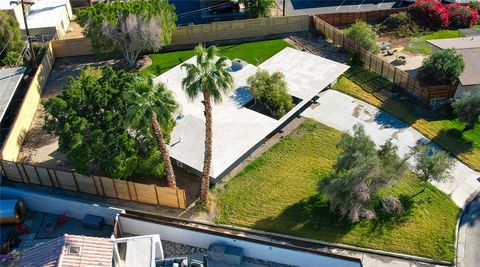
210	78
152	113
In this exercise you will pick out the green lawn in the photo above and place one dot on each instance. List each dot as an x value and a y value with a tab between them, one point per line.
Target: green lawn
440	127
278	193
420	45
253	52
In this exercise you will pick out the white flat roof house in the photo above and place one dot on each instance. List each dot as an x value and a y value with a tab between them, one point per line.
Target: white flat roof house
238	130
46	18
469	48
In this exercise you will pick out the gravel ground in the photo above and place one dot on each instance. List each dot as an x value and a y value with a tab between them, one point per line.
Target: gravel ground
173	249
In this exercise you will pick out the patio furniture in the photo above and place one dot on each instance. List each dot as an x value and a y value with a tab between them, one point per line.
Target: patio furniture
91	221
390	52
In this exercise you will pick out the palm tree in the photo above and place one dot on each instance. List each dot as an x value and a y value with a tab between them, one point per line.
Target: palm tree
153	114
210	78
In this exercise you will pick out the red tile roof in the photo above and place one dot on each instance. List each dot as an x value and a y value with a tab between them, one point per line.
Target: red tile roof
93	251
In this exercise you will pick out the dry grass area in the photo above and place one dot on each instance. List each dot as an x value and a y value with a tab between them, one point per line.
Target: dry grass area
278	192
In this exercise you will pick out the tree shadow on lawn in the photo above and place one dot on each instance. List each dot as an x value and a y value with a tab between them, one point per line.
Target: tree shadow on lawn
312	218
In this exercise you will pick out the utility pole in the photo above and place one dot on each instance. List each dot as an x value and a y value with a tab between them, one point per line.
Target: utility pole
284	8
34	59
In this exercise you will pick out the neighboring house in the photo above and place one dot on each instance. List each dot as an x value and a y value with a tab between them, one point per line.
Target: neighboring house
10	98
46	19
69	250
469	48
238	129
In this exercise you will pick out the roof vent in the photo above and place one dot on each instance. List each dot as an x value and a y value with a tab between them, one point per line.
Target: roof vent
74	250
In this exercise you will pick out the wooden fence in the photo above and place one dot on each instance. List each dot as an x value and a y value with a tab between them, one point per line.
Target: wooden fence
95	185
26	112
346	18
212	32
390	72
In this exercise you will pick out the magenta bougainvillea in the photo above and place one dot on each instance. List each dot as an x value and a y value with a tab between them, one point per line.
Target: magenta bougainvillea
430	14
461	16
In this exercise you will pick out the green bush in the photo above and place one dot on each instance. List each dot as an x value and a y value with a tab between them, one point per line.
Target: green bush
467	109
364	34
272	91
400	25
442	68
258	8
12	59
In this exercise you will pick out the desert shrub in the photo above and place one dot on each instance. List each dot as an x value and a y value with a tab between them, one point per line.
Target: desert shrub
467	109
461	16
12	59
442	68
364	34
400	25
430	14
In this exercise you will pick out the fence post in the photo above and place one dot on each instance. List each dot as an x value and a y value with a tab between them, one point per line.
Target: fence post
128	188
156	194
135	189
115	187
178	199
101	185
26	175
56	178
75	180
50	177
36	172
94	183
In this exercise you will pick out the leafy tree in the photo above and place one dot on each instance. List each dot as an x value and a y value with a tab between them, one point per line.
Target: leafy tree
12	59
129	27
431	165
442	68
89	118
210	78
430	14
151	115
400	25
360	172
467	109
461	16
258	8
271	90
363	34
10	35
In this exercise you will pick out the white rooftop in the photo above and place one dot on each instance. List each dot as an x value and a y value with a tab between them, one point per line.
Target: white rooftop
237	129
9	80
45	14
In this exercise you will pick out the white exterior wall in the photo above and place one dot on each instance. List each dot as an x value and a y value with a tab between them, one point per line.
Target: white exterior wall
465	90
58	206
250	249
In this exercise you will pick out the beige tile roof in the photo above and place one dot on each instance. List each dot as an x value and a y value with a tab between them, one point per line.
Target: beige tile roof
94	251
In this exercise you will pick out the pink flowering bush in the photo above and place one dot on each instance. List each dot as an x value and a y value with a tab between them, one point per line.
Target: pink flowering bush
430	14
461	16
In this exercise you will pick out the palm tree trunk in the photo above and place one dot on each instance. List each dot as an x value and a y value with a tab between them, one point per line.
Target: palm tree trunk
207	161
164	152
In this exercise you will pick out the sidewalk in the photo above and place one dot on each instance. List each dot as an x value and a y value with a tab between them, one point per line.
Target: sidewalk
341	112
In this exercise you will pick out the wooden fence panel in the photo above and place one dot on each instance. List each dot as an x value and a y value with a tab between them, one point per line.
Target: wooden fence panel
12	171
171	197
108	187
86	184
123	191
31	174
66	180
133	191
99	185
147	193
44	176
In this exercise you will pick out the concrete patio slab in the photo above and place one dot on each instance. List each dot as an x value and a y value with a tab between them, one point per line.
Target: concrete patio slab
341	112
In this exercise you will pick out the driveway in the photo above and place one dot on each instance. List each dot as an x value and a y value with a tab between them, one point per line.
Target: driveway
469	236
341	112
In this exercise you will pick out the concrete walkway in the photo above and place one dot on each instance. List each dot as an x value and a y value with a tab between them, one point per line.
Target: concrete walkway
341	112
